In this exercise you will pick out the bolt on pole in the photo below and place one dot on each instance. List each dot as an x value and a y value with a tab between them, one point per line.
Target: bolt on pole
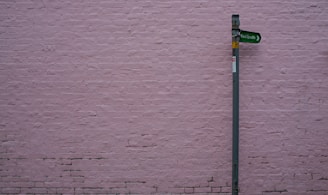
235	103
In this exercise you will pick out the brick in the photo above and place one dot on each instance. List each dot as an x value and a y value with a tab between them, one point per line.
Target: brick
10	190
202	189
189	190
225	189
215	189
119	190
34	190
135	97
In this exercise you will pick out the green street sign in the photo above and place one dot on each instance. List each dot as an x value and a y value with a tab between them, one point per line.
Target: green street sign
249	37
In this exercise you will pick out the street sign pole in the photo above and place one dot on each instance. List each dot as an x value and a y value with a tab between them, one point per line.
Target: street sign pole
235	103
247	37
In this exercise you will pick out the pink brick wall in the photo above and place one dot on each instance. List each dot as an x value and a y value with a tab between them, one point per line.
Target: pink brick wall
106	97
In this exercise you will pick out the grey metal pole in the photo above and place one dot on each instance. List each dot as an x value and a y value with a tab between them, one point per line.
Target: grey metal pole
235	103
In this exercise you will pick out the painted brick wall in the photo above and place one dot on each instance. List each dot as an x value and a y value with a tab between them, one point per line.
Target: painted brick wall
134	97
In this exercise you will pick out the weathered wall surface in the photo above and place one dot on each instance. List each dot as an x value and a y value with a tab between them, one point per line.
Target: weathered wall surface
119	97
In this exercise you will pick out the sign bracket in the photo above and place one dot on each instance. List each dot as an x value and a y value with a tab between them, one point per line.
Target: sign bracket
235	102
